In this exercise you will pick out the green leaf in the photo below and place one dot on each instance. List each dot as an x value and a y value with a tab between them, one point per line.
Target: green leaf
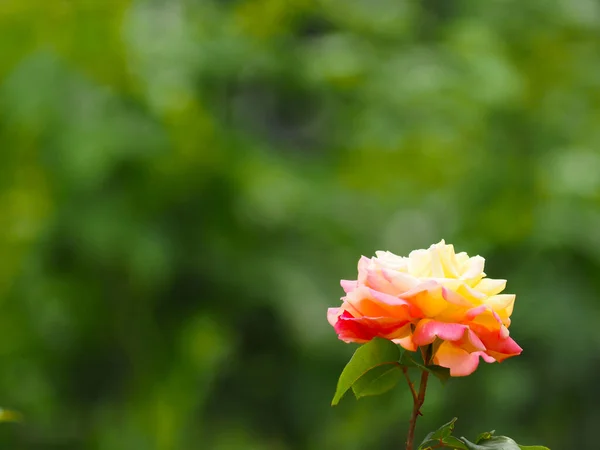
374	353
448	442
377	381
444	431
494	443
454	442
406	360
439	372
437	436
485	435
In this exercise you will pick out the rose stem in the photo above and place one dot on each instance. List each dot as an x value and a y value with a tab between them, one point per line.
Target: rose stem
417	403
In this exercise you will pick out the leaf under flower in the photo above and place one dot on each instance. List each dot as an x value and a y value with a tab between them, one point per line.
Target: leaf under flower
375	353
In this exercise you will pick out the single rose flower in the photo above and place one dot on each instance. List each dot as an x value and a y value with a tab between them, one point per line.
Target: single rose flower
433	295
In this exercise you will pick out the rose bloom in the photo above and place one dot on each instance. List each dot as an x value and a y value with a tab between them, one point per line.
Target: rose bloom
431	294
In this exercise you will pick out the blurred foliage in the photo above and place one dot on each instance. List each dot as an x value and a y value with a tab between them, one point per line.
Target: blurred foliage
184	182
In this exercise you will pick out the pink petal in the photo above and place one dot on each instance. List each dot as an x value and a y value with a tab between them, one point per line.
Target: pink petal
332	315
377	281
349	285
387	298
460	362
421	287
363	265
471	342
498	346
503	349
474	312
363	329
456	299
427	330
402	282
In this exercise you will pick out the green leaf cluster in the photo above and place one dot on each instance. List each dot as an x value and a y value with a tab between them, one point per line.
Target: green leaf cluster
443	438
376	367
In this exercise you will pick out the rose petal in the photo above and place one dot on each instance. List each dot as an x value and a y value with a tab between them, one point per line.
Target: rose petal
462	258
406	342
450	263
332	315
360	302
502	303
427	330
364	301
437	268
427	297
503	349
349	285
390	261
473	269
363	329
488	319
473	295
489	286
419	263
474	312
402	282
363	265
460	362
455	298
376	280
471	342
421	287
387	298
497	346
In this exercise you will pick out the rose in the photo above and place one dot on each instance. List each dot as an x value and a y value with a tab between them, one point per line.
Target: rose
433	296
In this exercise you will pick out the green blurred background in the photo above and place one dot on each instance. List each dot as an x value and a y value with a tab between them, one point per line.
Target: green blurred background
184	182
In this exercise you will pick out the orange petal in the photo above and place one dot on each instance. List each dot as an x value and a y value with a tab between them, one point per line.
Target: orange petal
427	297
460	362
407	342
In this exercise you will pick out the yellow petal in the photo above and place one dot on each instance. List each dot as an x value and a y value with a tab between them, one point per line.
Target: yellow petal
437	269
490	286
428	298
473	270
502	303
419	263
